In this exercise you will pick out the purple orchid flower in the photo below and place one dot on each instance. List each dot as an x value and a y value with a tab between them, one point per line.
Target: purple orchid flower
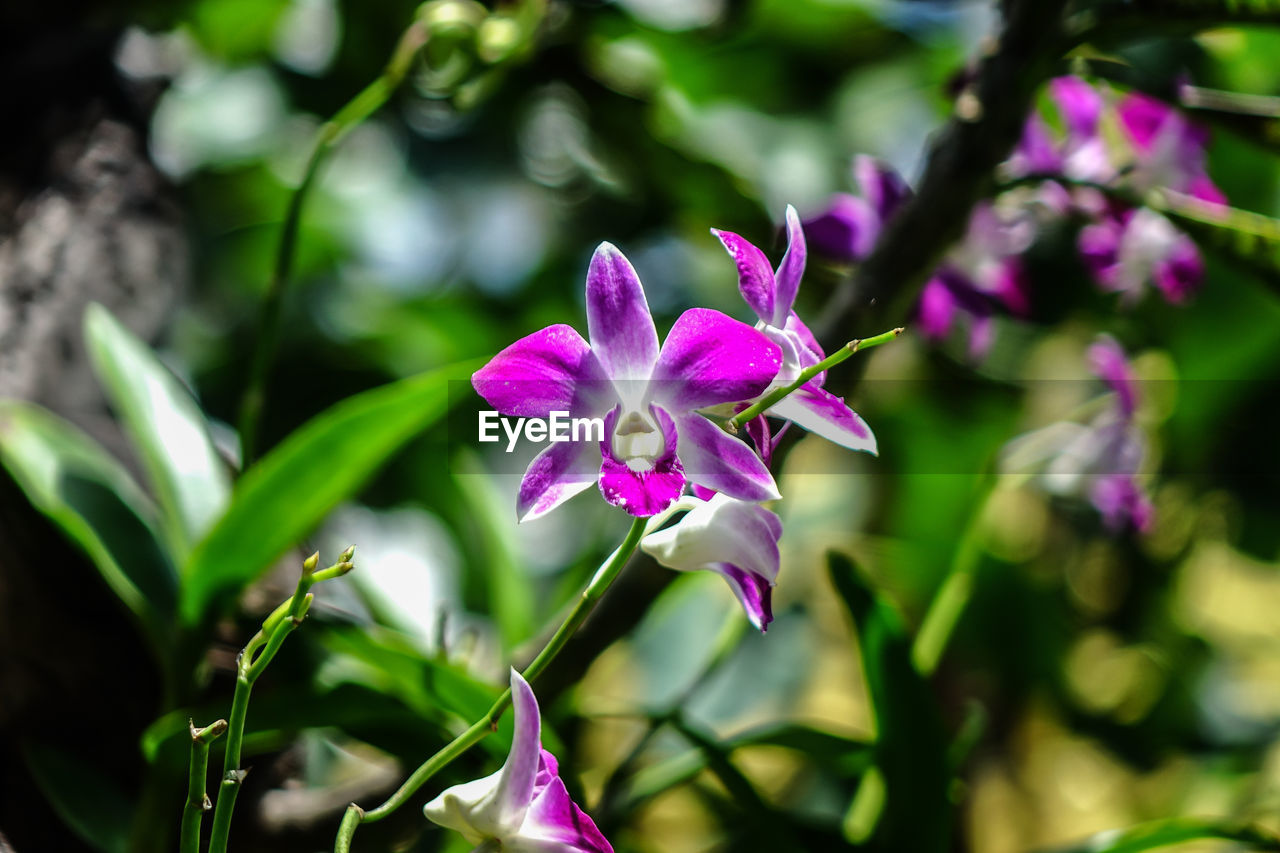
849	227
1127	248
1170	149
772	295
981	277
1098	461
736	539
1081	153
524	807
655	440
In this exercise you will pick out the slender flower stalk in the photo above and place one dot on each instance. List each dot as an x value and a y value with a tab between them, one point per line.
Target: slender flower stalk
952	597
587	600
197	800
251	663
332	132
764	403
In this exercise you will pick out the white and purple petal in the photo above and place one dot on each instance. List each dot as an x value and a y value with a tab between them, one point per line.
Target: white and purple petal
734	538
882	186
823	413
562	470
845	231
755	275
642	486
555	824
754	592
1109	363
790	271
550	370
1079	104
495	806
718	461
709	358
619	324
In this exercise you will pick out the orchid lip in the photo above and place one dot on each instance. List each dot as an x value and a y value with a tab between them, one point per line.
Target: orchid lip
638	440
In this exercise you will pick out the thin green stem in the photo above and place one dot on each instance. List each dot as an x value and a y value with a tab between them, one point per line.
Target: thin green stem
249	667
586	602
359	108
761	406
197	800
952	597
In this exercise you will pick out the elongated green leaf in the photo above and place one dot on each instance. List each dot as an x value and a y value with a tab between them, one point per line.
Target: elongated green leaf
1163	833
911	749
508	585
90	803
285	495
168	429
1249	239
88	494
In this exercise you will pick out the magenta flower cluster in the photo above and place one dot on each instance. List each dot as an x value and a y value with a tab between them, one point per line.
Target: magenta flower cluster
1123	247
664	405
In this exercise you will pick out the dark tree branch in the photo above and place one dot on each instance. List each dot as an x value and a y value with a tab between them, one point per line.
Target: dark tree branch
1126	18
960	170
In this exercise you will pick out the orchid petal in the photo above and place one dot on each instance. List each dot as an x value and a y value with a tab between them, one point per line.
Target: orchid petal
936	310
550	370
1142	118
1099	247
981	335
555	824
1079	104
619	324
1179	273
710	358
646	491
721	529
495	806
823	413
1202	187
810	351
882	186
1121	502
717	461
1036	153
755	276
1108	361
757	429
556	474
790	271
753	591
845	231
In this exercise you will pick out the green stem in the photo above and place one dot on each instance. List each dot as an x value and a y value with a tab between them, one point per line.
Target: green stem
249	667
330	134
761	406
197	799
603	578
951	599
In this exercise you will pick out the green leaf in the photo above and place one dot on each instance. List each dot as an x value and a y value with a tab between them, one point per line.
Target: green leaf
911	749
1150	836
67	476
285	495
1249	239
90	803
168	430
507	584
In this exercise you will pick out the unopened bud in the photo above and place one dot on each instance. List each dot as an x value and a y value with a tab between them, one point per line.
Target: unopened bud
458	15
345	556
497	38
309	564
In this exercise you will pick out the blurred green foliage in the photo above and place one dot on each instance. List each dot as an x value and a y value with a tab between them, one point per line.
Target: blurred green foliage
1121	679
